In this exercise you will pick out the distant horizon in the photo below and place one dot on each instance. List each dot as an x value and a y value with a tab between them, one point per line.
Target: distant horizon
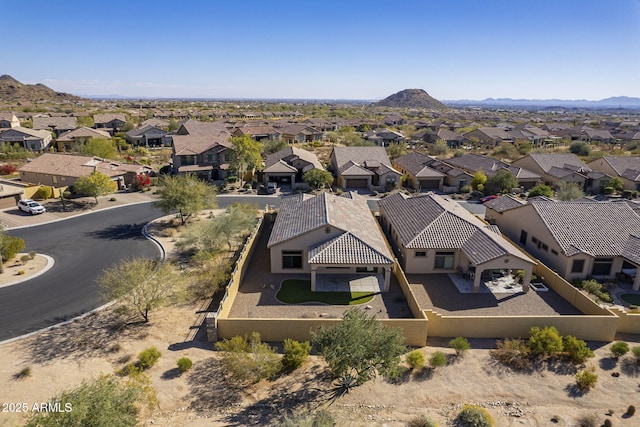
360	50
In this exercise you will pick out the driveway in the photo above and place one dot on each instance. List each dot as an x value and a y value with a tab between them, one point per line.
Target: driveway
82	248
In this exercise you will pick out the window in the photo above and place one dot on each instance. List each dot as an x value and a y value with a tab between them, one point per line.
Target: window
523	237
602	267
545	247
291	259
577	266
444	260
421	253
553	251
366	269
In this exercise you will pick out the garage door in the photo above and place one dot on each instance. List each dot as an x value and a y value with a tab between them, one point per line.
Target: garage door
8	202
356	183
429	184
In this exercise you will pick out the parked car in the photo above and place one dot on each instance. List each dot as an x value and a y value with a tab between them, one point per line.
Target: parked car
31	206
487	198
272	187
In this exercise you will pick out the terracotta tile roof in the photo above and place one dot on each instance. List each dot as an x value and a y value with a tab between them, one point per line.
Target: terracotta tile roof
302	213
598	229
432	222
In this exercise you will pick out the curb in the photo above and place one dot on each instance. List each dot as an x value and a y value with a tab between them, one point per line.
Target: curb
50	264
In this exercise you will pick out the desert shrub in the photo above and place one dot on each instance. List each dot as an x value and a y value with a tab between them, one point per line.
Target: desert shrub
142	181
544	341
25	259
438	359
588	421
232	179
608	423
247	359
586	379
627	194
619	349
184	364
576	350
595	288
635	352
21	272
421	421
148	357
7	169
23	373
460	345
295	353
474	416
580	148
44	193
415	359
321	418
513	353
631	410
465	189
10	246
32	254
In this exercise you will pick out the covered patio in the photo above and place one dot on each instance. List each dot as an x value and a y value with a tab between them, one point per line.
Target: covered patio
373	283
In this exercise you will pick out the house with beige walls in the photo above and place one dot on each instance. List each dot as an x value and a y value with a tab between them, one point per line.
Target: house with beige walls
576	239
436	235
326	234
627	168
364	168
556	168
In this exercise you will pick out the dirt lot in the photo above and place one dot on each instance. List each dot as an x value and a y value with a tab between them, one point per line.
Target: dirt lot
62	358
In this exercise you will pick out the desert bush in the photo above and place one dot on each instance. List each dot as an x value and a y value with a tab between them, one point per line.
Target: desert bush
586	379
619	349
10	246
512	353
474	416
148	357
544	341
415	359
7	169
460	345
32	254
595	288
184	364
21	272
247	359
321	418
44	193
588	421
438	359
421	421
295	353
576	350
25	259
23	373
631	410
608	423
635	351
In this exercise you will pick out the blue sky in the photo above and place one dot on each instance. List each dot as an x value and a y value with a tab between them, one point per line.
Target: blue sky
327	49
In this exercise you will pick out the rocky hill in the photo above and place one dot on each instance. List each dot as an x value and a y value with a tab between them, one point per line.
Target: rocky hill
14	92
410	98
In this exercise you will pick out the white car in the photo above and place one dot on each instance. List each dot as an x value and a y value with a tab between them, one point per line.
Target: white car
31	206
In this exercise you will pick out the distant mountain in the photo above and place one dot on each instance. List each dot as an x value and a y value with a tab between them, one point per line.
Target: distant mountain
613	102
410	98
12	91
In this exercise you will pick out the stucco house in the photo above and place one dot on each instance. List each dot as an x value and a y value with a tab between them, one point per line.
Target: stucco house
421	177
258	132
489	136
62	170
576	239
289	165
328	235
74	139
556	168
384	137
300	134
8	120
30	139
471	163
364	168
110	122
627	168
436	235
58	125
206	156
148	136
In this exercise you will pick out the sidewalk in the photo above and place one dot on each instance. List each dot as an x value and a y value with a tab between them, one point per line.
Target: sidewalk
13	217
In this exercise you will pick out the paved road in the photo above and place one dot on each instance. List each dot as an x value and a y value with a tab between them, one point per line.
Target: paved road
82	248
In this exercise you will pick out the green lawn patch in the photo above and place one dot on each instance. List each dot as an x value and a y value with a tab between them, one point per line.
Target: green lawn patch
294	291
633	299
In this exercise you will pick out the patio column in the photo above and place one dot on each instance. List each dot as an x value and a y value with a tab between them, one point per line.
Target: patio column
527	281
313	277
636	281
476	280
387	278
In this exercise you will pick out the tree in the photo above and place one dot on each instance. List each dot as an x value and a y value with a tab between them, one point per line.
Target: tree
478	180
544	341
10	246
105	401
94	185
616	183
396	150
141	285
502	182
238	218
541	190
569	191
460	345
360	347
439	148
185	194
317	178
247	155
580	148
274	145
102	148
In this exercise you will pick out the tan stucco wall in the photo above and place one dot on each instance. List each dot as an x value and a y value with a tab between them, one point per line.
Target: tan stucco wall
300	243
